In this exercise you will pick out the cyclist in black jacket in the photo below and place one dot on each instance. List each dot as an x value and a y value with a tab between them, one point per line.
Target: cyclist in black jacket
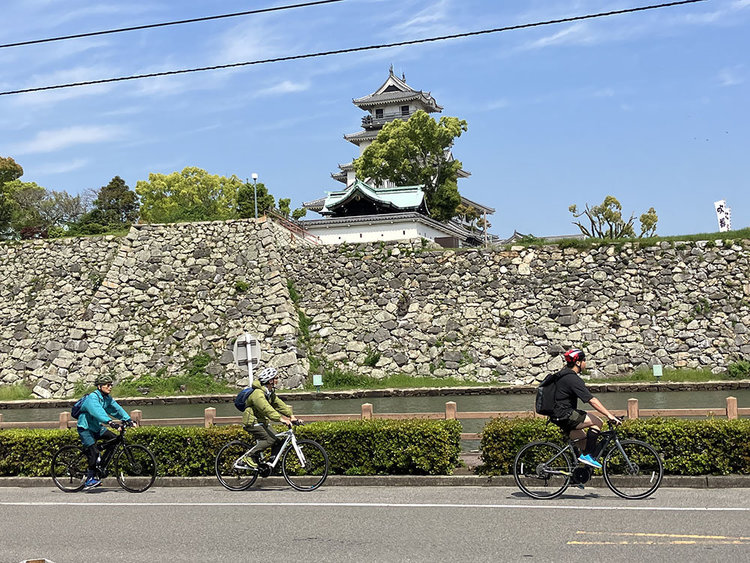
572	420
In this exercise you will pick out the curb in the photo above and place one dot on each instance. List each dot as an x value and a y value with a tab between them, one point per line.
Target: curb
670	481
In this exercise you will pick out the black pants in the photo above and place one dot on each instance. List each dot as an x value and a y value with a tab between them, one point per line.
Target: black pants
92	452
264	436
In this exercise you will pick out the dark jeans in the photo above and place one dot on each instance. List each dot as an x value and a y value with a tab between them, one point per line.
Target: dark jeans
92	451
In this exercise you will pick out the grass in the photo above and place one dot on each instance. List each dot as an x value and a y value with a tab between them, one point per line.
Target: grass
18	392
670	375
585	244
336	379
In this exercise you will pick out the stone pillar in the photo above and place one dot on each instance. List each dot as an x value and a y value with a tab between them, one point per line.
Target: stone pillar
632	409
366	411
64	418
208	417
136	415
732	408
450	410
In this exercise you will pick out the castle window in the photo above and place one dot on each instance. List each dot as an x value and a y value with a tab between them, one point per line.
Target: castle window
379	113
404	110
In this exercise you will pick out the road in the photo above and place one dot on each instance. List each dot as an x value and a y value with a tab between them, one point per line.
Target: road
371	524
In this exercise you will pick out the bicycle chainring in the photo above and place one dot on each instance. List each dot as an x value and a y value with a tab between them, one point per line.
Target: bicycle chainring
581	475
264	470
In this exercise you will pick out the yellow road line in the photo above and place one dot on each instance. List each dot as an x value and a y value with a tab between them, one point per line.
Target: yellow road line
652	542
657	535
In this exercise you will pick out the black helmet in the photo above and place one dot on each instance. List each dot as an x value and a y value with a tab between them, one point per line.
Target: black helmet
574	355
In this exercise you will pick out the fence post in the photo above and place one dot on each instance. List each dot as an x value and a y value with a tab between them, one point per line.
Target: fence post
632	409
208	417
450	410
366	411
63	420
1	418
136	415
732	408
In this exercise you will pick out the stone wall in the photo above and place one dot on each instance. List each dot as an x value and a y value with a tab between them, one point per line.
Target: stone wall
154	301
507	315
165	294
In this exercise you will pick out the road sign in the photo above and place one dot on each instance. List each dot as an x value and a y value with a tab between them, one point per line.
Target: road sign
247	353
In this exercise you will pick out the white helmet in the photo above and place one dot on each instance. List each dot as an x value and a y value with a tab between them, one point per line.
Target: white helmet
267	375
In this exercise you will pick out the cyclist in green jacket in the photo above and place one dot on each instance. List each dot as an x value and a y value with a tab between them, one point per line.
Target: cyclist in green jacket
263	407
98	408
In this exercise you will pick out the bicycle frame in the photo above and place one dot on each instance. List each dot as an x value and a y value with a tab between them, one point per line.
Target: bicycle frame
290	440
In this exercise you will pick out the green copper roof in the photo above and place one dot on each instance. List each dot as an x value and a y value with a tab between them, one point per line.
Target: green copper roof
404	198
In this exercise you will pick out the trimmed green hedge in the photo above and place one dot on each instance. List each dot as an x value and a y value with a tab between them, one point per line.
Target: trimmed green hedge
375	447
688	447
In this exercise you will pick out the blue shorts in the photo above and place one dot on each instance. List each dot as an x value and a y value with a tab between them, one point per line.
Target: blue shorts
88	436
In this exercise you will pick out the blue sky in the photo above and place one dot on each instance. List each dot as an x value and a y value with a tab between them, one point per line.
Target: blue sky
650	107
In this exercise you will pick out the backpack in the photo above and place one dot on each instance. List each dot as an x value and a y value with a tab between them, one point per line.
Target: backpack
75	412
240	401
545	395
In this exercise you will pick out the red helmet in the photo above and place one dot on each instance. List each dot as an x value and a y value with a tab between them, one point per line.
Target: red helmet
574	355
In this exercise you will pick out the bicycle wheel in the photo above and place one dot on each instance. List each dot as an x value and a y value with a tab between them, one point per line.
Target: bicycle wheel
307	471
542	470
69	466
233	474
633	472
135	467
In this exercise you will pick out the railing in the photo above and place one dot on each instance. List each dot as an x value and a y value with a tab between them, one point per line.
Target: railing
209	418
370	121
294	227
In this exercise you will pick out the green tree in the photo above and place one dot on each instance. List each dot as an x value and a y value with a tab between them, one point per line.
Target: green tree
298	213
115	206
246	200
9	171
606	221
190	195
417	152
285	206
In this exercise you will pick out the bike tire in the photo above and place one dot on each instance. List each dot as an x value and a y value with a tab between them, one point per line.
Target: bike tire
232	477
69	467
135	467
637	479
542	470
310	475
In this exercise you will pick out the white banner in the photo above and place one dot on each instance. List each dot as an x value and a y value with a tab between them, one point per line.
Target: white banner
723	215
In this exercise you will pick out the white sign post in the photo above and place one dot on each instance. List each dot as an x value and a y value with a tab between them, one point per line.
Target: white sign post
723	215
247	353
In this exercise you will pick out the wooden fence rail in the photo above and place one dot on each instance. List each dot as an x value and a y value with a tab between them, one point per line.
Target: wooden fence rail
731	412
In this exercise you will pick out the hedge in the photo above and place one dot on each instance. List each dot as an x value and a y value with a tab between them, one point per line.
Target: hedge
688	447
374	447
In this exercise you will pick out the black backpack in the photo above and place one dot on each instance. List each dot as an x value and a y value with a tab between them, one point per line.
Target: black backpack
545	395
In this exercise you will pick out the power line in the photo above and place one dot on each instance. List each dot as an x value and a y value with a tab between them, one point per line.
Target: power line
165	24
350	50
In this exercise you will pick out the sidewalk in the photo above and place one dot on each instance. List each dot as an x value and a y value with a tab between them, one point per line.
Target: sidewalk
466	480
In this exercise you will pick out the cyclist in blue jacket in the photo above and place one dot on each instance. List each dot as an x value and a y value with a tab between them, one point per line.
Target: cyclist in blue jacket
98	408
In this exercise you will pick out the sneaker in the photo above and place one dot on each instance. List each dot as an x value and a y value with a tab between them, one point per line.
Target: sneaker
90	483
588	460
246	462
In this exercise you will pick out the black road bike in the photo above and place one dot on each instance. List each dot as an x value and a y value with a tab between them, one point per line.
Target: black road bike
632	469
304	463
133	465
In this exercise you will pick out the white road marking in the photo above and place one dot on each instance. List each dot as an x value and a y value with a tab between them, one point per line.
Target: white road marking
389	505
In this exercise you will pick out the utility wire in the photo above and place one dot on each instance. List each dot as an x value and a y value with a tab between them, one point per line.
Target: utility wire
350	50
165	24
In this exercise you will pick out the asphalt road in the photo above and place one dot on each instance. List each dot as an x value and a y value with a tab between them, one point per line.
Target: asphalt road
371	524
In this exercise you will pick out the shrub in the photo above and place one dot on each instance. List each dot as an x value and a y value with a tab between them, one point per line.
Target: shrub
688	447
368	447
739	369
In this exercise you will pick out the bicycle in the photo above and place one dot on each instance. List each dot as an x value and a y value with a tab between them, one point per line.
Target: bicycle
304	463
133	464
632	469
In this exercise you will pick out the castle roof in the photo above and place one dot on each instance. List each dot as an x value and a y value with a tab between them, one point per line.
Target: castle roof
395	90
361	198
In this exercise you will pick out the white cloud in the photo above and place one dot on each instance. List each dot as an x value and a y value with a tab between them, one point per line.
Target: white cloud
575	34
55	140
730	76
61	167
285	87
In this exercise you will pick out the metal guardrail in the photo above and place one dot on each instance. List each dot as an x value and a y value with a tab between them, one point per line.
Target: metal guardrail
209	418
294	227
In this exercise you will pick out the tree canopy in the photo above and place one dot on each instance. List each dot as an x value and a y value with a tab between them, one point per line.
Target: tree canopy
246	200
606	221
417	152
190	195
